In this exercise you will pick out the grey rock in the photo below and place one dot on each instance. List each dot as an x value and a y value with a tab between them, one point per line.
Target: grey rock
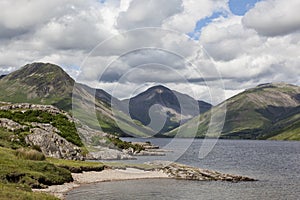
180	171
104	153
11	125
149	153
53	145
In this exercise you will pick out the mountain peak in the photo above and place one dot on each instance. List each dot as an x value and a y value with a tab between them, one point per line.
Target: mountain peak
158	89
39	68
173	106
38	83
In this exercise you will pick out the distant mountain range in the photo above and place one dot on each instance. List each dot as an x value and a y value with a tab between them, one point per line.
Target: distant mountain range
268	111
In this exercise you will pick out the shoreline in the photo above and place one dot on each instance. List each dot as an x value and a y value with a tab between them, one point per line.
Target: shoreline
106	175
159	170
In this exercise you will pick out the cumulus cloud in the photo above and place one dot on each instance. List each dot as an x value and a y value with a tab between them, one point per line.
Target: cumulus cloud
274	17
245	58
58	31
261	46
23	17
193	11
80	31
226	39
148	13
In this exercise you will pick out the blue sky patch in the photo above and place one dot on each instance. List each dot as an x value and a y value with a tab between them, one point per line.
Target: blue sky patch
240	7
204	22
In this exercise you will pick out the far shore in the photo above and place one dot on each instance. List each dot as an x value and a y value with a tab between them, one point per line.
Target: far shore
60	191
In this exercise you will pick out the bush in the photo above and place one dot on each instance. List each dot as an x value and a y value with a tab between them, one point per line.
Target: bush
30	154
125	145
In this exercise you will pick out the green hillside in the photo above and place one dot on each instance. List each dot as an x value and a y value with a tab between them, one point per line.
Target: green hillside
45	83
266	111
42	83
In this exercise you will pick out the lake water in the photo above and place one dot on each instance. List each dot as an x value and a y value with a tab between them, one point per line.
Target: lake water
276	164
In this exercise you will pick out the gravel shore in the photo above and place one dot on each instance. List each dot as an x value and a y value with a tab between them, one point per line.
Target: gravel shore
105	175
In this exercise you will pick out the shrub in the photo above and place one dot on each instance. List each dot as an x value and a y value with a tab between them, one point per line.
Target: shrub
125	145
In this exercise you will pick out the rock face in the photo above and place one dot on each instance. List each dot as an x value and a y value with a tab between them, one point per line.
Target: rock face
11	125
104	153
180	171
53	145
43	135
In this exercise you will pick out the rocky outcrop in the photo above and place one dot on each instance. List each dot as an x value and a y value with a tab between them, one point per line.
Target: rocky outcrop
87	134
26	106
149	153
11	125
53	145
101	151
149	150
48	138
44	135
105	153
180	171
146	145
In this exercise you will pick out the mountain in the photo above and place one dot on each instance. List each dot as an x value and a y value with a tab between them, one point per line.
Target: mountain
268	111
45	83
161	104
38	83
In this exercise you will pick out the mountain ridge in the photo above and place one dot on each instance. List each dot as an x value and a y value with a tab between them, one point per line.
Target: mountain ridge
46	83
268	111
257	113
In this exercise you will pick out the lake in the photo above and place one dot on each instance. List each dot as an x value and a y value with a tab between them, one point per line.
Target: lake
276	164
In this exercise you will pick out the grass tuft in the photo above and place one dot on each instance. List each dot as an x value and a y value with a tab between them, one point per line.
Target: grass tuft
30	154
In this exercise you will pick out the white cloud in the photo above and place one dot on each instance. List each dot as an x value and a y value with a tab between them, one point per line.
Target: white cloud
245	58
148	13
261	46
23	17
274	17
226	39
194	10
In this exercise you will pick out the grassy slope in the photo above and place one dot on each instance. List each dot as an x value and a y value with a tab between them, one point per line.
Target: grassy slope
254	114
45	83
100	115
19	174
20	192
289	129
38	83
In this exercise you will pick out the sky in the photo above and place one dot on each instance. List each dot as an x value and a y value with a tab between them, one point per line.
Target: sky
209	49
